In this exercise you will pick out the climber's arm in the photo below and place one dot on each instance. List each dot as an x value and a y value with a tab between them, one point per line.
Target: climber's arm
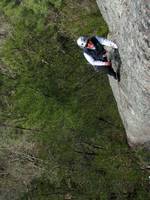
93	62
106	42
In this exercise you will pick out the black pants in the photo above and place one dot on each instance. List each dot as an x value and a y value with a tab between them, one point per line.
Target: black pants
109	70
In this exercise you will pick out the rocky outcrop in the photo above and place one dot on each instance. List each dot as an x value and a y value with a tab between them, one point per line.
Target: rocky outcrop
4	30
129	23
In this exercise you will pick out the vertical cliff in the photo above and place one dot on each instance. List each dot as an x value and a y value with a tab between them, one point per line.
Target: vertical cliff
128	23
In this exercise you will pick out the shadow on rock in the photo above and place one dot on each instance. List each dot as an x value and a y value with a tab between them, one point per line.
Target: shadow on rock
116	61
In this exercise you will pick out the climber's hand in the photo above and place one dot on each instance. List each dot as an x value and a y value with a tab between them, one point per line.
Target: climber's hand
109	64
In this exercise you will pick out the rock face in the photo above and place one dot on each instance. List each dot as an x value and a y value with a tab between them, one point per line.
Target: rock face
129	23
4	30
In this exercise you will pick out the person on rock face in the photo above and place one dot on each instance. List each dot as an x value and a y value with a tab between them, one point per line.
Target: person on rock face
95	54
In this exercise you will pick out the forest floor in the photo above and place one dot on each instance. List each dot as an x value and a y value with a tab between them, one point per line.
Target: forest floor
61	134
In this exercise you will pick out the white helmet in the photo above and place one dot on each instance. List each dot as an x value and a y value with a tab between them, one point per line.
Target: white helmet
81	41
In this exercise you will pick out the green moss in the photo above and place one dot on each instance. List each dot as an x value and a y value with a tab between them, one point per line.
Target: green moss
82	18
77	129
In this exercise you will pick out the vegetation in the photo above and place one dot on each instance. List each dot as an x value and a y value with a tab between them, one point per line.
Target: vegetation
62	137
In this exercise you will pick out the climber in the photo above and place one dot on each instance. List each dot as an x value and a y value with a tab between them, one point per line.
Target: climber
95	54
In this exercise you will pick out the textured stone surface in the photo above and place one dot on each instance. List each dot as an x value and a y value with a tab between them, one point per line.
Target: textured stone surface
4	30
129	25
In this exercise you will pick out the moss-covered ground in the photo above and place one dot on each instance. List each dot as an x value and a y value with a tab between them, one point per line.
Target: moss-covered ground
61	134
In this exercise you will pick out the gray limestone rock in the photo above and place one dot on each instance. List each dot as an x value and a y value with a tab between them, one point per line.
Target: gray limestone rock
129	23
4	33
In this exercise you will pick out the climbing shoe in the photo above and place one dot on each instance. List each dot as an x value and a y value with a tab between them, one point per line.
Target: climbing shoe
118	75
